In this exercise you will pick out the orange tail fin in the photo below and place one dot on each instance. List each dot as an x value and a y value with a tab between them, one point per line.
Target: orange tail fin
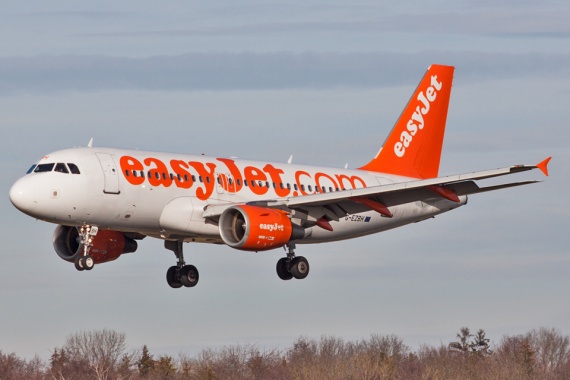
413	148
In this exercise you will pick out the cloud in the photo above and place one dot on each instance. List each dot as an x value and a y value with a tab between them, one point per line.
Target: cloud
249	70
491	21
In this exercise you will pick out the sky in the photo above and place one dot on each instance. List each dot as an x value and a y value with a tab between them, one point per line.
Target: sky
323	81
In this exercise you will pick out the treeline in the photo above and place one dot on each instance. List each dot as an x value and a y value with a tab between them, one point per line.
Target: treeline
540	354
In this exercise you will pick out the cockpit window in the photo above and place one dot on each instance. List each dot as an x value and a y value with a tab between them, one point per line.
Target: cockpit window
31	169
44	168
61	168
73	168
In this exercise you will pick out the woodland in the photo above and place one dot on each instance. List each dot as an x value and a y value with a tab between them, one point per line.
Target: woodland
542	353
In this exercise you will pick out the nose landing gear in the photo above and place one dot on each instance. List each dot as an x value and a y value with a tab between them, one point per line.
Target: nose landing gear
85	239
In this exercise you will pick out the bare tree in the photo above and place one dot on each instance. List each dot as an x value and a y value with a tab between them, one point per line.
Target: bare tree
14	368
102	352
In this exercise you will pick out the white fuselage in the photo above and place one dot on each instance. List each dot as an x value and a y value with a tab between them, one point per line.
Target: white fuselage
164	195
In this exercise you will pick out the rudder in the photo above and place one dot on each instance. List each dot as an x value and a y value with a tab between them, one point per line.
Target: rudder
413	147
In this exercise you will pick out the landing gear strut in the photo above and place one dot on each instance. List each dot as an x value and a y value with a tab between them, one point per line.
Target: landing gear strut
85	238
292	266
180	274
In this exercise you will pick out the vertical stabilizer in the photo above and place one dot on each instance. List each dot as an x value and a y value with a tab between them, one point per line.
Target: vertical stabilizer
413	148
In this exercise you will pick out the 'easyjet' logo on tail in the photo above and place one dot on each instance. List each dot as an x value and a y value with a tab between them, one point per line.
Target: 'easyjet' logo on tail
416	121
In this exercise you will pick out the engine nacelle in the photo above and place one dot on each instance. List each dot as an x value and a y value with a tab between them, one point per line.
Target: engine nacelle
107	245
253	228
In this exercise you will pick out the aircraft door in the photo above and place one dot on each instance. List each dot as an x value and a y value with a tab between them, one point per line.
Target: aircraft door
225	184
110	173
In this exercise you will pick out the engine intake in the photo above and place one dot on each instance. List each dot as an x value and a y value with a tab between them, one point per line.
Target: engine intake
253	228
107	245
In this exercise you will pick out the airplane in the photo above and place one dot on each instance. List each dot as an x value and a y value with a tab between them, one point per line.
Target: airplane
104	200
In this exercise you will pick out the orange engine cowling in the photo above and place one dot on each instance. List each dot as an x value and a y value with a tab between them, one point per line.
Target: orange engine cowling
253	228
107	245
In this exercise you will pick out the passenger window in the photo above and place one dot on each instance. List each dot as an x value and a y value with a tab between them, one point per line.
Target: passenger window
303	187
42	168
245	182
194	178
288	186
73	168
127	173
238	181
296	187
135	173
252	183
142	173
208	179
310	189
219	181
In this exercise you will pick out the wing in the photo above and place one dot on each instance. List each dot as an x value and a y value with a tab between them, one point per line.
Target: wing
335	205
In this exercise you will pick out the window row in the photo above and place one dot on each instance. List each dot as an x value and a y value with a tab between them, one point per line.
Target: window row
251	183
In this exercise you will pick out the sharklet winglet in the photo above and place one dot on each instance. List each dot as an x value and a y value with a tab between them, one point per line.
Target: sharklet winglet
543	165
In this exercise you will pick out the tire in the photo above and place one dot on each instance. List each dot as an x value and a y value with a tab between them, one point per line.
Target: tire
87	262
282	270
171	278
299	267
79	264
189	276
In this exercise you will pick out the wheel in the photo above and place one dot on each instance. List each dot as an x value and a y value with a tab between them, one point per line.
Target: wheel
79	264
299	267
87	262
189	276
282	270
172	279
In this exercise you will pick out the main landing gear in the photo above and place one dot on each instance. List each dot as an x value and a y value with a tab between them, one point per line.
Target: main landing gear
85	237
180	274
292	266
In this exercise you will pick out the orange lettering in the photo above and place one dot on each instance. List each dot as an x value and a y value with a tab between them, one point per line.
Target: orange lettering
185	181
319	183
275	175
128	166
351	180
159	175
236	184
208	178
298	180
256	175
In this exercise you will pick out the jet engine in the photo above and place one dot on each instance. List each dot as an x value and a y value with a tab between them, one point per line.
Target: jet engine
253	228
107	245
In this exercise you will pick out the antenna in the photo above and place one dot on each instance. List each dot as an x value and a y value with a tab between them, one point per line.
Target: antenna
90	143
290	159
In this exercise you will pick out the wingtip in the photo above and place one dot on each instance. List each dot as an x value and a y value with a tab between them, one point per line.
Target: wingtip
543	165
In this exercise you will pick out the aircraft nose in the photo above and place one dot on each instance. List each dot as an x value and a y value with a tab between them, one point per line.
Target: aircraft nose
24	196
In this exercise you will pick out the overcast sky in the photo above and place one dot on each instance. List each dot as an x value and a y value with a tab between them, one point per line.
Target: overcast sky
323	82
